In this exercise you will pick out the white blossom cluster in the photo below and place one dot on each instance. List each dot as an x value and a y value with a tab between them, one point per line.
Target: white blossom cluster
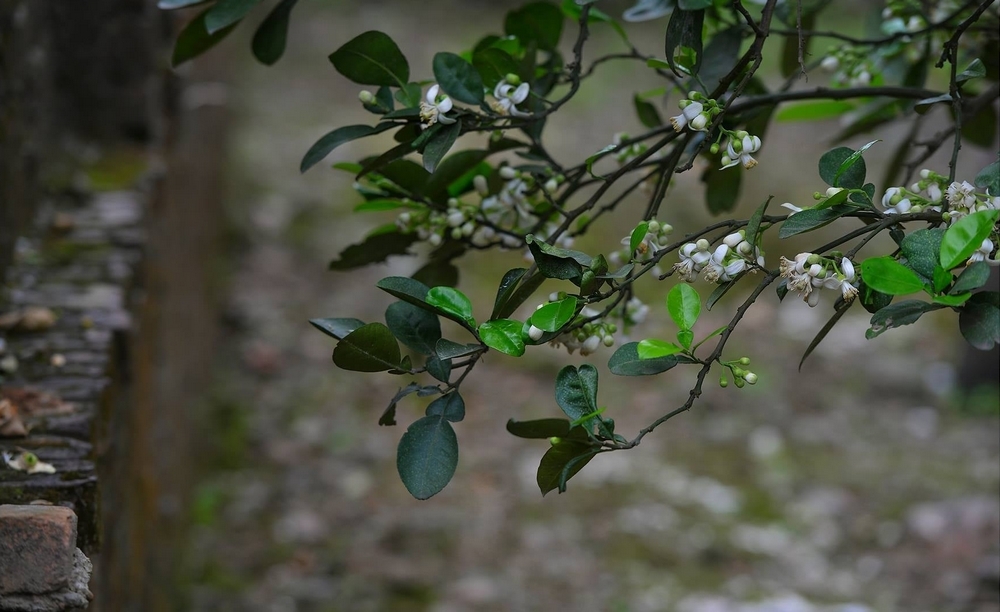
655	240
809	272
697	112
741	145
719	265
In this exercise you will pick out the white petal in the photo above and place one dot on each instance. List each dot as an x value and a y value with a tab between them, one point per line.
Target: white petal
521	93
692	110
444	105
432	94
848	268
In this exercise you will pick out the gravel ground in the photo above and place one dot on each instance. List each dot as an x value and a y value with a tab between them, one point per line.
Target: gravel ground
860	484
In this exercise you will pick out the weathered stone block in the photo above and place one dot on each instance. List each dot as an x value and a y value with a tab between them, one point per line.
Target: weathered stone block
37	544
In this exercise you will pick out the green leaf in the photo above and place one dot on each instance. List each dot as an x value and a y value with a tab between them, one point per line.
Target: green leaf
921	248
897	315
388	417
887	275
693	5
710	336
507	286
941	279
336	327
720	291
576	391
838	198
372	58
437	272
407	175
974	70
451	407
572	10
685	337
337	137
451	301
409	96
952	300
458	78
753	224
722	188
849	163
539	22
227	13
648	115
979	320
552	317
539	429
562	462
652	348
446	349
925	105
493	65
503	335
814	111
989	179
427	456
383	205
518	295
808	220
554	262
370	348
269	41
719	56
830	164
683	305
439	144
684	30
413	326
872	300
965	236
626	362
405	289
637	235
450	170
194	40
439	368
375	249
973	277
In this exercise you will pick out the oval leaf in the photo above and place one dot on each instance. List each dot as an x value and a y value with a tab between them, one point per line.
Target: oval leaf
979	320
684	305
451	301
336	327
965	236
562	462
503	335
539	429
458	78
887	275
626	362
552	317
652	348
370	348
413	326
337	137
194	40
269	40
576	391
372	58
427	456
451	407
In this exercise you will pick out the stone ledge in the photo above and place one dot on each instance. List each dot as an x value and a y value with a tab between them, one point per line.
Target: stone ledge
75	596
36	548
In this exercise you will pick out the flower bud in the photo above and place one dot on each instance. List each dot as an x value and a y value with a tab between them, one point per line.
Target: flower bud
512	78
732	240
830	63
653	227
750	377
699	122
551	185
739	383
723	382
744	361
726	160
925	173
366	97
535	333
554	440
832	191
714	149
814	259
456	233
609	341
702	244
507	173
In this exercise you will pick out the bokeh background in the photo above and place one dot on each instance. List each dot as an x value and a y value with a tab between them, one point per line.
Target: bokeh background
868	481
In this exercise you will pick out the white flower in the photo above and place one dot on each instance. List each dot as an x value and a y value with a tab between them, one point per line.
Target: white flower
890	193
830	63
688	113
590	345
791	207
934	192
508	97
434	106
738	151
983	252
961	195
715	269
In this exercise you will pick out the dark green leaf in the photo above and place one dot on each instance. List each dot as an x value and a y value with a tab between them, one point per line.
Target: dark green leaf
458	78
370	348
808	220
720	291
576	391
813	111
693	5
554	262
872	300
446	349
336	327
372	58
753	224
981	128
683	305
503	335
194	40
337	137
413	326
989	178
227	13
409	96
920	248
382	205
637	236
626	362
269	40
925	105
722	188
841	177
451	301
648	115
437	272
979	320
439	368
427	456
974	277
887	275
439	144
451	407
450	170
965	236
539	22
830	164
170	5
684	30
507	285
562	462
553	316
493	65
539	429
388	417
841	310
374	249
527	287
897	315
408	175
974	70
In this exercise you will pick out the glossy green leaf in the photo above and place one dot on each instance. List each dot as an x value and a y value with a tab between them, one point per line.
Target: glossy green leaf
652	348
375	249
897	315
808	220
989	179
720	291
493	65
840	176
887	275
965	236
941	279
409	96
832	161
383	205
626	362
921	248
336	327
372	58
873	301
194	40
553	316
576	391
458	78
554	262
439	144
451	301
952	300
753	224
427	456
974	70
562	462
539	429
518	294
539	22
451	407
685	337
973	277
637	236
979	320
437	272
337	137
446	349
269	41
370	348
503	335
439	368
413	326
683	305
684	30
507	286
225	13
451	169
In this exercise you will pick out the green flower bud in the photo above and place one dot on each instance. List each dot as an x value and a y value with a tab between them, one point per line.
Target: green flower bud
554	440
714	148
750	377
366	97
739	383
723	382
512	78
744	361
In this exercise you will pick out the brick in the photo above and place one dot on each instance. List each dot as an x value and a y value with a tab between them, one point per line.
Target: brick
37	544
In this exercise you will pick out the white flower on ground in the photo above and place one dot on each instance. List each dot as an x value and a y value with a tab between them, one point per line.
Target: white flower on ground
508	97
688	114
434	106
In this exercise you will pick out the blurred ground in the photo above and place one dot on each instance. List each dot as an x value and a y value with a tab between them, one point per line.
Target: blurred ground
860	484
